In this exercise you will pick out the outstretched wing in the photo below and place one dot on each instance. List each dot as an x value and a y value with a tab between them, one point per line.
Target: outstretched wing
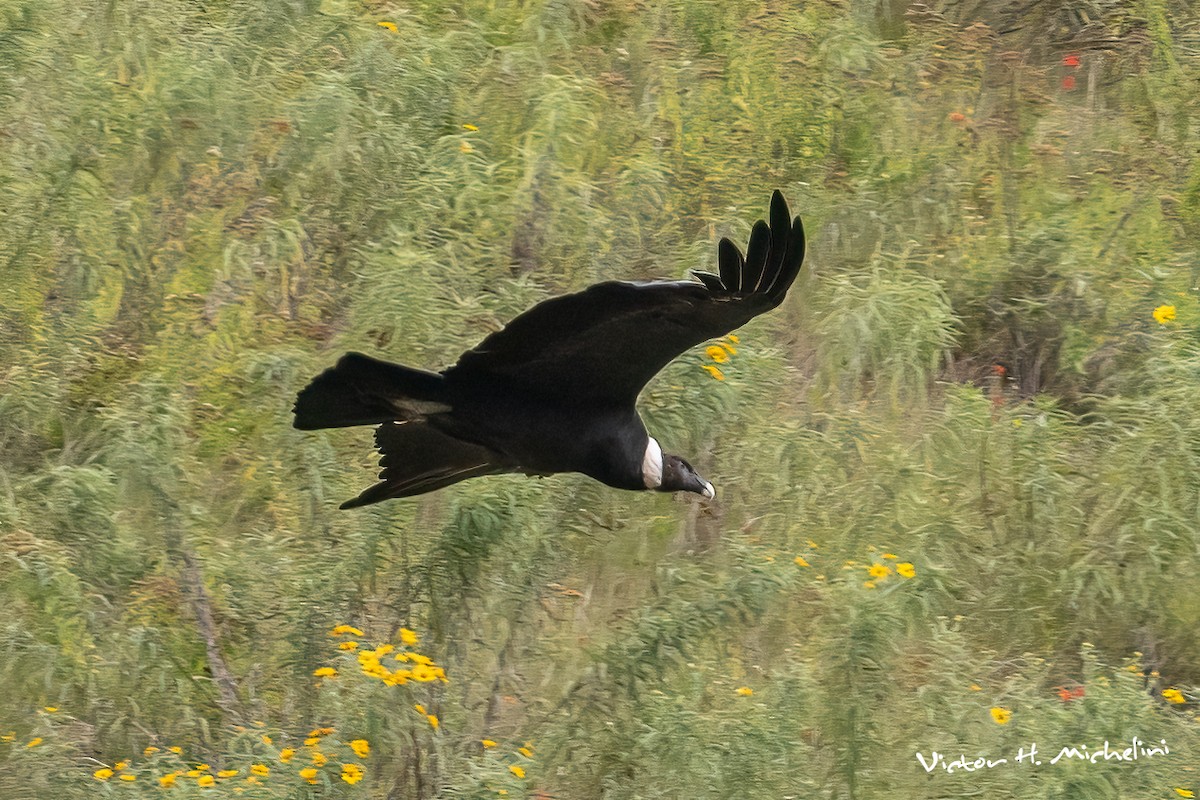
602	345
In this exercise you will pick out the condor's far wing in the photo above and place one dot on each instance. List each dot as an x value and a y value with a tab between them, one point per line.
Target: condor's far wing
600	346
417	458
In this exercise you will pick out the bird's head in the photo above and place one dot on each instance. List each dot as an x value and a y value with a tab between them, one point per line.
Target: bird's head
678	476
667	473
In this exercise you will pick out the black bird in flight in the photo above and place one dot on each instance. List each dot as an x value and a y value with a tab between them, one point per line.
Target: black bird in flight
556	389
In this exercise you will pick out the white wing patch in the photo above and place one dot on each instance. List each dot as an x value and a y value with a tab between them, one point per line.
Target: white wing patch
652	465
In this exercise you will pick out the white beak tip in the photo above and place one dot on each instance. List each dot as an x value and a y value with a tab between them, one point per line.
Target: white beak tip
709	492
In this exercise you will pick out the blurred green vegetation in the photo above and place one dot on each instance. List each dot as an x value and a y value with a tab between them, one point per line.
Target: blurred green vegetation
204	204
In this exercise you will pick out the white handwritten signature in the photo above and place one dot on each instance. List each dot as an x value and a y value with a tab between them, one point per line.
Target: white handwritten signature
1137	749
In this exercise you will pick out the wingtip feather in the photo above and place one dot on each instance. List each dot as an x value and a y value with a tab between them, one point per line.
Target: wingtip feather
793	260
758	255
710	281
729	264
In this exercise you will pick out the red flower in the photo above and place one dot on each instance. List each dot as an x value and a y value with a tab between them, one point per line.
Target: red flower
956	116
1069	82
1066	695
1071	60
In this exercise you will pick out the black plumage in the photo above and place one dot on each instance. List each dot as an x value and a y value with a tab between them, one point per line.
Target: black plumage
556	389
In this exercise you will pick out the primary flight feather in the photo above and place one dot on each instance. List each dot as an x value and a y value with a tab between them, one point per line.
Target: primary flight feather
556	389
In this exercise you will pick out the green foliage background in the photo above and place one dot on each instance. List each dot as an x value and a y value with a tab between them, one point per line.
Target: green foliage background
204	204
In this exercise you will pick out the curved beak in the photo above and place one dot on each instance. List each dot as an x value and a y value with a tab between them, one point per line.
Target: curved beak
709	492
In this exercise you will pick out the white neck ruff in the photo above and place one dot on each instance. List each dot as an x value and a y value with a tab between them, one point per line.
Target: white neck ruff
652	465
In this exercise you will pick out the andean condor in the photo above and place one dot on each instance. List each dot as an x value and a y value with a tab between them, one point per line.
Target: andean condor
555	390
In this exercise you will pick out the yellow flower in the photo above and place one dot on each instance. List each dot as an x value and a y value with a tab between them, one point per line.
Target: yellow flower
206	781
391	26
869	584
1164	314
319	759
50	709
285	755
744	691
309	774
120	765
890	556
227	773
312	741
193	773
149	750
420	708
1184	792
487	743
733	338
128	777
1173	696
975	687
8	737
906	570
34	742
352	773
266	739
361	747
102	774
168	780
716	353
516	770
347	645
800	562
1001	715
714	371
261	770
407	636
177	750
433	721
342	630
879	571
383	650
470	127
525	751
320	731
325	672
424	673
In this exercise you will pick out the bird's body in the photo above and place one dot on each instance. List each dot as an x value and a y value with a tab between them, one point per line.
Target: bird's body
556	389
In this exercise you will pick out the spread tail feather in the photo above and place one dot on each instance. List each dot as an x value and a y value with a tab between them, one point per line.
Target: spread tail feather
360	390
418	458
